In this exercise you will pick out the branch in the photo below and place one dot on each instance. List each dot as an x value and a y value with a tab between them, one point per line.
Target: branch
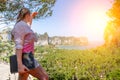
11	8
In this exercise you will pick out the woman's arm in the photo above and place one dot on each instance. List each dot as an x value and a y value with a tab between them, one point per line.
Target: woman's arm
19	57
19	33
21	68
32	16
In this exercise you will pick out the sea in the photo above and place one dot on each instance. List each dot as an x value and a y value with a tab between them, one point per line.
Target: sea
73	47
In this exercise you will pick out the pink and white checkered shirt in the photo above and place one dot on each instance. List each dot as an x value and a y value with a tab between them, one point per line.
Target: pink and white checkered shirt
24	37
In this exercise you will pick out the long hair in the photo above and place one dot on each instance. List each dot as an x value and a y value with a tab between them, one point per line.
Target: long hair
22	13
21	16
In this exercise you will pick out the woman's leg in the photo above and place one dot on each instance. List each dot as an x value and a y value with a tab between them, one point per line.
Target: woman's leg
23	76
39	73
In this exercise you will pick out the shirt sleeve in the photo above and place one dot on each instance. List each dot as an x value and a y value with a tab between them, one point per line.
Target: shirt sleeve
19	34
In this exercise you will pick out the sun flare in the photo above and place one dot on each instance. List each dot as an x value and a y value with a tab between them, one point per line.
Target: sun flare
89	19
96	21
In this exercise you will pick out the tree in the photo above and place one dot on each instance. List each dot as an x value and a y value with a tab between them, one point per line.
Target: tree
112	30
10	8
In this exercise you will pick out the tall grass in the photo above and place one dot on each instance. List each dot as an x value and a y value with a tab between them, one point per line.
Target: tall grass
102	63
95	64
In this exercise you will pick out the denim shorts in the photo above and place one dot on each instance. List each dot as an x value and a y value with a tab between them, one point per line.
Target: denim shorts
36	63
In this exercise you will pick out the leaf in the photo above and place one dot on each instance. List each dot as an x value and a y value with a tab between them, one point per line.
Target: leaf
10	8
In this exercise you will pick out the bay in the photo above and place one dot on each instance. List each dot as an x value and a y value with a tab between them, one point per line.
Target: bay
89	46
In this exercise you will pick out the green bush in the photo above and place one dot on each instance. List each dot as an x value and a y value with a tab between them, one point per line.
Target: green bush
6	49
114	75
93	64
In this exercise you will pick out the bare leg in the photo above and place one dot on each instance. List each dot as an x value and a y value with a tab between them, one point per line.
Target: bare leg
23	76
39	73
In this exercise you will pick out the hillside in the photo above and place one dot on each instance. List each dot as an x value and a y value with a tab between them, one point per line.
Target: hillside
100	63
45	39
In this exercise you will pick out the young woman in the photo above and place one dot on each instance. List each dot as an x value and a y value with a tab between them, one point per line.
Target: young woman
24	39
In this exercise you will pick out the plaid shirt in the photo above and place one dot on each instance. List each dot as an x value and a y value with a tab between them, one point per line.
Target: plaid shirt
24	37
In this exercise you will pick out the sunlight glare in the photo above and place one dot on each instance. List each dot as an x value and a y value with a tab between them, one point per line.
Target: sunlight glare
96	20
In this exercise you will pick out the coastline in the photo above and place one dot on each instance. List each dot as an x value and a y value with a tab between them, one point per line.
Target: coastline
92	44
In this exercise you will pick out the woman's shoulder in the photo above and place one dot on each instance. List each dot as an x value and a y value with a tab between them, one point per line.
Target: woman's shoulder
21	24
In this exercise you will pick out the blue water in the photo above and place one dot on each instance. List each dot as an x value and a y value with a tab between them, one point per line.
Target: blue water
72	47
89	46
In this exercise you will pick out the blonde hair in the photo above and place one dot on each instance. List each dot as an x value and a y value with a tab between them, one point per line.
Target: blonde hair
22	14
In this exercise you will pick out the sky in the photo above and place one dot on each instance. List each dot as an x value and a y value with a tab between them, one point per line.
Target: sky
76	18
79	18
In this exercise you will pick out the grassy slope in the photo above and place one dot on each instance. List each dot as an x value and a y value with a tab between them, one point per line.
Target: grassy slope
95	64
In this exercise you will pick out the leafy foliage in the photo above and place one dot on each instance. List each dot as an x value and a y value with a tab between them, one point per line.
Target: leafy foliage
112	31
6	49
101	63
114	75
10	8
94	64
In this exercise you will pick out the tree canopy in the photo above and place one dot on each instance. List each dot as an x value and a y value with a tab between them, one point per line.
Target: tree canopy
10	8
112	30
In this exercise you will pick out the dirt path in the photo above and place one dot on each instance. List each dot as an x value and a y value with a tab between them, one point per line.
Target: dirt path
5	72
6	75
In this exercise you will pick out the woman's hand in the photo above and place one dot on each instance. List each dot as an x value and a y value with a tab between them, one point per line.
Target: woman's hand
31	17
22	69
34	14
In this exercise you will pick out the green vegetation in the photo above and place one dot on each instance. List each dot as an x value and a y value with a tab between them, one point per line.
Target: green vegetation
101	63
96	64
10	8
6	49
112	30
